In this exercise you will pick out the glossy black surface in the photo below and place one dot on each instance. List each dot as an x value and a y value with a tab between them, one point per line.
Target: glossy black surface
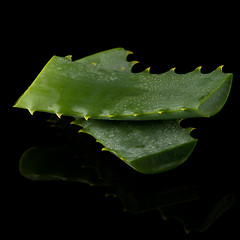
208	181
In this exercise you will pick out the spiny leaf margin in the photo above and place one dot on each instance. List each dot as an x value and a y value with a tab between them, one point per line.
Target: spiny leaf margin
113	92
148	147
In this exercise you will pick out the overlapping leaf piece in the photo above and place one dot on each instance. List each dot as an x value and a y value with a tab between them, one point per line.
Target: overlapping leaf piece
102	87
147	146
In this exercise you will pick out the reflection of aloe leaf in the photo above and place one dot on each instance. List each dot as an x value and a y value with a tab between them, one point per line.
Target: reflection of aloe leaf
193	220
222	206
55	163
61	163
137	202
137	194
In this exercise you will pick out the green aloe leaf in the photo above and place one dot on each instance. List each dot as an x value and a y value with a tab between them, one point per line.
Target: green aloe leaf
147	146
102	86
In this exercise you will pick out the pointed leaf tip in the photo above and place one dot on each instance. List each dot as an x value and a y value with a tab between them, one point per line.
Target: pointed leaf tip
198	68
134	63
147	70
31	111
221	67
81	131
59	115
69	57
86	117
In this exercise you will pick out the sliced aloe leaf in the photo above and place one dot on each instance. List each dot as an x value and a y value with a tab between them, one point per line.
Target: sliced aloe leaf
102	86
147	146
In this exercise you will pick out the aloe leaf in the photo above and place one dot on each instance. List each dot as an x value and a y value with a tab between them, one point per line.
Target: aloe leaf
102	86
147	146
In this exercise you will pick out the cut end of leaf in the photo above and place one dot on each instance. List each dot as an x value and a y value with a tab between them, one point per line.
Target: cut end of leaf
213	103
164	161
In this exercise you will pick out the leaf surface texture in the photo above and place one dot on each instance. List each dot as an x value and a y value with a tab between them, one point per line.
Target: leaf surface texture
147	146
102	87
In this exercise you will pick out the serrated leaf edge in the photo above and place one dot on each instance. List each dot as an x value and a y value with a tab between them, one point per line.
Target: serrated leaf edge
138	116
83	130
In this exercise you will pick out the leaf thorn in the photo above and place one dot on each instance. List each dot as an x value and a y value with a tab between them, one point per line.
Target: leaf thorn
134	62
81	131
59	115
191	129
199	68
147	70
69	57
86	117
31	111
221	67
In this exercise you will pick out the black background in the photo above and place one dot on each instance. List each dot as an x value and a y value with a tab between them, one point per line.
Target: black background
161	37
